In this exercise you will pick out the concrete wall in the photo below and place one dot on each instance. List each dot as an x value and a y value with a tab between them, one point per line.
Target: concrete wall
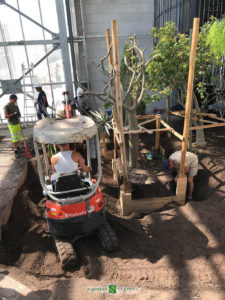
133	17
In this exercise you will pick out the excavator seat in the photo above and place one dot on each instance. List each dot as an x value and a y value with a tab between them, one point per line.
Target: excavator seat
70	181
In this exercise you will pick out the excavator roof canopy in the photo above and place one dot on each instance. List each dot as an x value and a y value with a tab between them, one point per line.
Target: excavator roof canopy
62	131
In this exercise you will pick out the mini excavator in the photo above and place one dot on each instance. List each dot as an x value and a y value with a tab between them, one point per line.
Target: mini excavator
74	205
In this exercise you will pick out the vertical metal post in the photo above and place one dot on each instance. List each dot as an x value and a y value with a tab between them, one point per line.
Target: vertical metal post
72	51
64	47
84	43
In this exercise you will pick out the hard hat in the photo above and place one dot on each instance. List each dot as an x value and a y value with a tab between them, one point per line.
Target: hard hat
80	92
37	85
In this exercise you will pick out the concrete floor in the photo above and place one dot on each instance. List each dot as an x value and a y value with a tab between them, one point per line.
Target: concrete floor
13	171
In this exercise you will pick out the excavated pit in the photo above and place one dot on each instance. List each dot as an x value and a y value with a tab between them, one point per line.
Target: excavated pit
30	247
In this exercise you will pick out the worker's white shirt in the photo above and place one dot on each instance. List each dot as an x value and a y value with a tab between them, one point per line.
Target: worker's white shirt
65	164
191	161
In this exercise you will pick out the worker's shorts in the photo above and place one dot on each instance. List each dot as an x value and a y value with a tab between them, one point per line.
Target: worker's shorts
15	131
193	171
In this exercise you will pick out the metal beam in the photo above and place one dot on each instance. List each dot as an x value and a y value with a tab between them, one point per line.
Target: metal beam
35	65
30	19
72	50
64	47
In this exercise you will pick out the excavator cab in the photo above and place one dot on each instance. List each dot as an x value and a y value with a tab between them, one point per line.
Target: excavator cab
74	204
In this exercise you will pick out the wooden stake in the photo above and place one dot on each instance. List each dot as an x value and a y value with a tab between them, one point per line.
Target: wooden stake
189	94
119	106
104	145
157	134
108	41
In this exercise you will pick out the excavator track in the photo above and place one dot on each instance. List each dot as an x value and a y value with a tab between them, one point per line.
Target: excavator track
66	252
107	237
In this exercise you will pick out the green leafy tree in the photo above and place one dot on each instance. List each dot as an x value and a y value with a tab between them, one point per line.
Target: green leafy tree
169	71
216	38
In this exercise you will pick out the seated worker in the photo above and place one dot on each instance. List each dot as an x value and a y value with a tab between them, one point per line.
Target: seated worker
191	167
67	161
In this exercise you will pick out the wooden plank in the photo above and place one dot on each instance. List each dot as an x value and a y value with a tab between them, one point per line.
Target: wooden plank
195	113
174	132
125	198
119	106
207	126
145	117
205	121
157	134
218	118
104	144
146	122
108	42
143	130
189	94
146	205
181	189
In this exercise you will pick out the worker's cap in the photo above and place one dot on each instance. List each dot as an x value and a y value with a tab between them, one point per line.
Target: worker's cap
165	164
37	85
80	91
13	96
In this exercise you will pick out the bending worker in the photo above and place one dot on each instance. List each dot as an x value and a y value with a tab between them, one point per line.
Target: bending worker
67	161
190	169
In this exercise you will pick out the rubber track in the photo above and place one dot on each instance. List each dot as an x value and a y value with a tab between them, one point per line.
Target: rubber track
107	237
67	254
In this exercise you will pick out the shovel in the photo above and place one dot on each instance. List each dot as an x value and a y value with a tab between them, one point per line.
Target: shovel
26	152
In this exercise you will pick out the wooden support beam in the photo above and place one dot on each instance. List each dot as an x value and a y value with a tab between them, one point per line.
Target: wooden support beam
104	145
217	118
108	42
181	190
189	94
145	205
145	117
174	132
119	106
147	122
151	131
205	121
157	134
207	126
144	130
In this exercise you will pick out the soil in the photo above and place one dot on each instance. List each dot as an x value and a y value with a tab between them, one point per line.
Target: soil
178	248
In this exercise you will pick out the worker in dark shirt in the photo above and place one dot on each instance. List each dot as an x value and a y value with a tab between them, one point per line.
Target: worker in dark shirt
42	103
12	113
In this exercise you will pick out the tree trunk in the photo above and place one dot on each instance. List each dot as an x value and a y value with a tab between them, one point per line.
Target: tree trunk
168	110
200	136
190	134
133	139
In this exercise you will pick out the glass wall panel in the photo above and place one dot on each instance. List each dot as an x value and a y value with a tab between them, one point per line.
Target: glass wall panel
31	9
11	23
56	67
35	53
49	16
17	57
